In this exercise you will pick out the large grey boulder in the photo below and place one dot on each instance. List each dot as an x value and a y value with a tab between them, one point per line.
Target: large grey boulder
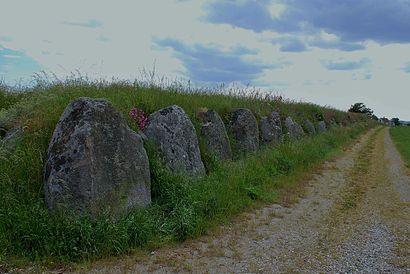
244	129
174	135
321	126
214	134
310	127
271	128
12	137
294	130
95	162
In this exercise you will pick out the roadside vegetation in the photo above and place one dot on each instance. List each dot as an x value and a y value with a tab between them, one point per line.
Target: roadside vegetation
182	207
401	138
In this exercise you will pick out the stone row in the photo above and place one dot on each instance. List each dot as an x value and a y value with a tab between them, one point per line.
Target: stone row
96	163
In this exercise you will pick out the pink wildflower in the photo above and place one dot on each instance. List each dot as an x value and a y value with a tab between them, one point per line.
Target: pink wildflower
139	118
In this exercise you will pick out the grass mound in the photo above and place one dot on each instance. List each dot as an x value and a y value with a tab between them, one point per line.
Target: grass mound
181	208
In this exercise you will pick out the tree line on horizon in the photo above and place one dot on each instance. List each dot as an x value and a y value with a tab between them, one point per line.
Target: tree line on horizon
361	108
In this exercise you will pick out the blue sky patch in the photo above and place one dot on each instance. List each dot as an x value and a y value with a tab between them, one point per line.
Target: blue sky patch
92	23
406	68
345	65
16	65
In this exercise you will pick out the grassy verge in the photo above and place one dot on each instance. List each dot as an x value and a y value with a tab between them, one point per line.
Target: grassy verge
357	180
401	138
182	207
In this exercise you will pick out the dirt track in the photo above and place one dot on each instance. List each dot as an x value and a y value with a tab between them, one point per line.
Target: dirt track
355	217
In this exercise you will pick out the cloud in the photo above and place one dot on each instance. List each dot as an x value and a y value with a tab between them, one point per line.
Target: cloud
356	20
360	76
253	15
92	23
352	20
16	65
210	64
345	65
295	43
343	46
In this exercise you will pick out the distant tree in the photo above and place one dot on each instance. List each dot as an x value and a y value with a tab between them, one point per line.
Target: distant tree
396	121
361	108
374	117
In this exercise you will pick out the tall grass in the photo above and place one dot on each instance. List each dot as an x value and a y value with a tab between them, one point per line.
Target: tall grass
182	207
401	138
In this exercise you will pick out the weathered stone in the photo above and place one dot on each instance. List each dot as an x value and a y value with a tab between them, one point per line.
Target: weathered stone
294	130
12	137
321	126
332	123
299	130
174	135
310	127
289	124
271	128
244	128
95	162
214	133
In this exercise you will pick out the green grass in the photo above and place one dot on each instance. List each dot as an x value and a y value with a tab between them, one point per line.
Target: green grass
401	137
182	207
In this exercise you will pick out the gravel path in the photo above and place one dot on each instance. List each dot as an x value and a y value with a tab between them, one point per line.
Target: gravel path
353	218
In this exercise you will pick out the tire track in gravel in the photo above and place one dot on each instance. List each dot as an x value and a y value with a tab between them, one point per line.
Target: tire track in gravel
354	217
367	230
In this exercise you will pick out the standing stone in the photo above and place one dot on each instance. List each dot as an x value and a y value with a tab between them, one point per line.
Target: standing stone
299	130
294	130
310	127
244	128
12	137
271	128
289	126
95	162
332	123
321	126
174	135
214	133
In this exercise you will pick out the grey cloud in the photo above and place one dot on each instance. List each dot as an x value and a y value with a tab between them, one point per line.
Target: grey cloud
352	20
212	65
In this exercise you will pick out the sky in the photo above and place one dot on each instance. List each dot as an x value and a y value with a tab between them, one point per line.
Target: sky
327	52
